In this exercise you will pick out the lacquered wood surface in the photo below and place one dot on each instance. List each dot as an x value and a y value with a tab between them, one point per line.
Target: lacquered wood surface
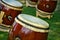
47	5
9	12
26	34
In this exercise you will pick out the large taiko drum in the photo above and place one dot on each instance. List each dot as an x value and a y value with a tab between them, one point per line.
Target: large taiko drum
27	27
10	9
46	7
31	3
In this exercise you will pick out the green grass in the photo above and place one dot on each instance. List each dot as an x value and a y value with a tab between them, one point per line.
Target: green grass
3	35
54	33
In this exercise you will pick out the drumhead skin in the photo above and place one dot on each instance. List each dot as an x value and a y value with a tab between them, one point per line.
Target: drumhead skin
13	3
33	20
27	27
29	20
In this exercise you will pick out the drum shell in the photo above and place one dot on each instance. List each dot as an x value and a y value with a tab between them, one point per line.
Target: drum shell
47	5
25	34
9	11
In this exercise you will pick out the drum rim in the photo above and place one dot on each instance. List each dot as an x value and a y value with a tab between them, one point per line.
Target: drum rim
32	23
42	11
32	28
15	8
11	5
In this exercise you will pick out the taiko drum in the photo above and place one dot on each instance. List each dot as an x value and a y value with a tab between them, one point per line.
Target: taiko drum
10	9
46	6
27	27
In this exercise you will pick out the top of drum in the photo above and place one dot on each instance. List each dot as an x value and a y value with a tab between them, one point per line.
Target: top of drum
34	23
12	3
33	20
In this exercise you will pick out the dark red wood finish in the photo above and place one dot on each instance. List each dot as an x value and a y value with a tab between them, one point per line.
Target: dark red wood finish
47	5
9	12
25	34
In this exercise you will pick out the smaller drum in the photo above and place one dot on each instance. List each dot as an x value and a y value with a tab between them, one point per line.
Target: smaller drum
46	7
10	10
31	3
27	27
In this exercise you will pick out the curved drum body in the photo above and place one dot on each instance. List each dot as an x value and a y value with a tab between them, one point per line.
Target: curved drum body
46	7
27	27
31	3
10	10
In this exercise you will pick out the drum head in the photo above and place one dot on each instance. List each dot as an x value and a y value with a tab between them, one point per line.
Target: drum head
12	3
33	20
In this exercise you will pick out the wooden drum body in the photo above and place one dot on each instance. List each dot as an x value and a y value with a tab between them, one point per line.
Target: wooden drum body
31	3
27	27
46	7
10	10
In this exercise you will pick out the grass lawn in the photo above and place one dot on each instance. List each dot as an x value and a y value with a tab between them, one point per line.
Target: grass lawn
3	35
54	33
